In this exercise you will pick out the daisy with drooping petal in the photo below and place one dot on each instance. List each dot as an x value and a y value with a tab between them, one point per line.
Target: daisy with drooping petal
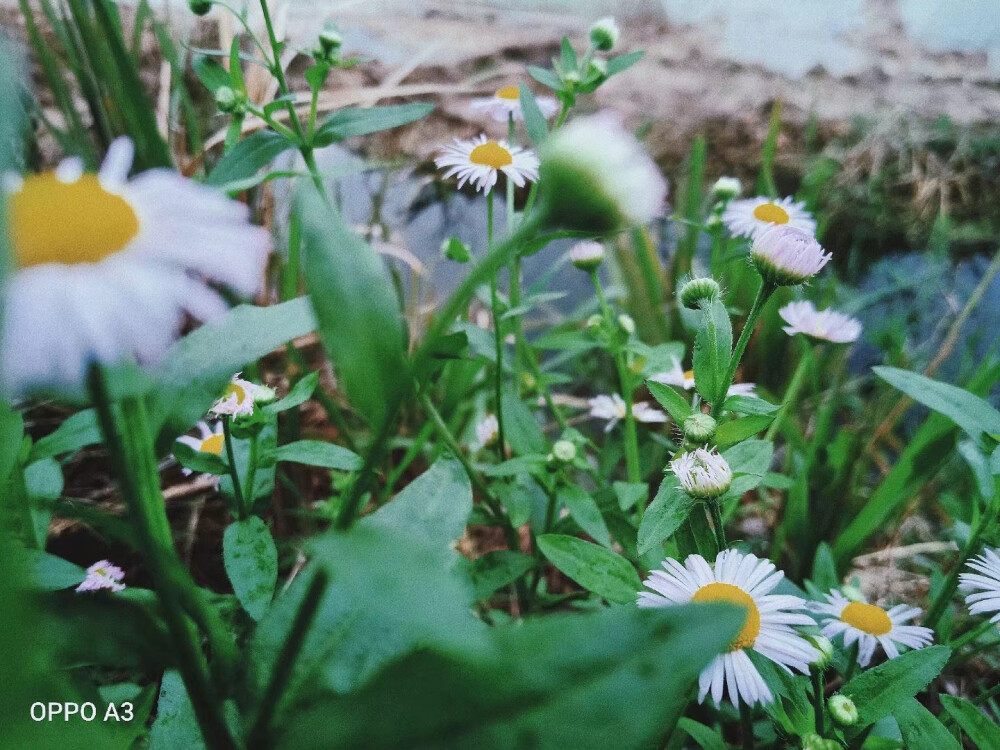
742	579
612	408
821	325
703	474
105	268
480	160
506	103
786	256
983	586
103	575
239	398
744	218
869	626
211	440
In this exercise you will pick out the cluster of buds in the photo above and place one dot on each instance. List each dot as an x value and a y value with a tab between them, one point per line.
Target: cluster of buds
589	72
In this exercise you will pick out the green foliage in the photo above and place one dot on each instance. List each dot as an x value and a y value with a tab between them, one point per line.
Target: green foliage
595	568
881	690
251	561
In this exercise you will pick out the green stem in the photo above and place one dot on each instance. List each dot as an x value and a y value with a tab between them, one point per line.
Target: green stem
746	726
944	596
852	662
993	692
290	278
763	294
715	511
252	472
792	393
818	695
971	635
234	472
497	335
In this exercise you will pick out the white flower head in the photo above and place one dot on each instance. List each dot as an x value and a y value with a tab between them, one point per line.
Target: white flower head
487	430
703	474
727	188
106	267
103	575
786	256
480	160
239	398
868	625
587	255
744	218
676	376
596	177
604	34
742	389
821	325
741	579
983	586
210	440
506	104
613	409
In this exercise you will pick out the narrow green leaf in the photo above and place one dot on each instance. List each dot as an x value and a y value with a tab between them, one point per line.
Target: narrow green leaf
248	157
210	73
665	514
675	404
568	55
319	453
534	120
348	122
922	731
11	436
706	737
584	511
76	431
713	348
595	568
879	691
545	77
749	405
300	393
201	462
523	432
983	732
497	569
623	62
251	561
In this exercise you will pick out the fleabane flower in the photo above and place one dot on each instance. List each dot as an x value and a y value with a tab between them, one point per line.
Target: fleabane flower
105	268
613	409
868	625
210	440
767	629
506	104
487	431
587	255
785	256
703	474
103	575
744	218
239	398
821	325
480	160
983	586
596	177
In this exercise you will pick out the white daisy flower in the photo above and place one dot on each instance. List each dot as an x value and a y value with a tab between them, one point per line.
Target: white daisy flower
210	440
786	256
239	398
587	255
612	408
822	325
506	103
103	575
596	176
487	431
703	474
745	217
480	160
983	585
105	268
737	579
869	626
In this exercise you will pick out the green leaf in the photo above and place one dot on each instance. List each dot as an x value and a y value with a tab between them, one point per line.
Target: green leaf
750	462
623	62
497	569
349	122
521	428
968	411
675	404
879	691
11	437
738	430
251	561
517	501
824	570
319	453
545	77
629	494
456	250
983	732
664	515
175	725
595	568
300	393
77	431
567	55
248	157
922	731
713	346
202	462
534	120
52	573
583	509
210	73
706	737
355	302
43	479
749	405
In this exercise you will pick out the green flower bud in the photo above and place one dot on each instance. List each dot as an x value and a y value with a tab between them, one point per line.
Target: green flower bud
604	34
699	428
330	40
824	649
594	321
699	291
199	7
564	451
843	710
813	741
598	68
726	188
627	323
587	255
227	100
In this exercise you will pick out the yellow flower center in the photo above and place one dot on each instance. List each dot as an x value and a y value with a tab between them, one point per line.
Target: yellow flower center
212	444
689	374
867	617
76	222
509	92
238	390
771	213
491	154
726	592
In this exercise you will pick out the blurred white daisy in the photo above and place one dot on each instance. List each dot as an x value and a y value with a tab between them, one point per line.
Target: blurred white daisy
737	579
679	377
103	575
105	268
823	325
612	408
480	160
506	103
983	586
487	431
703	473
869	626
587	255
786	256
210	440
745	217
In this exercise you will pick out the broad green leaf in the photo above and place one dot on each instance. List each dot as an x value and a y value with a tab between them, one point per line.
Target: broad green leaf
713	346
595	568
43	479
175	725
299	394
319	453
738	430
497	569
583	509
52	573
922	731
248	157
968	411
77	431
675	404
348	122
664	515
749	405
251	561
983	732
522	430
202	462
516	499
355	303
750	462
879	691
534	120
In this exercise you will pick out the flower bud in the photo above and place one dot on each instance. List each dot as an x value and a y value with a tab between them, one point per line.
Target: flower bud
699	428
587	255
726	188
227	100
812	741
627	323
824	650
843	710
598	68
703	474
564	450
594	321
330	40
200	7
785	255
604	34
701	291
